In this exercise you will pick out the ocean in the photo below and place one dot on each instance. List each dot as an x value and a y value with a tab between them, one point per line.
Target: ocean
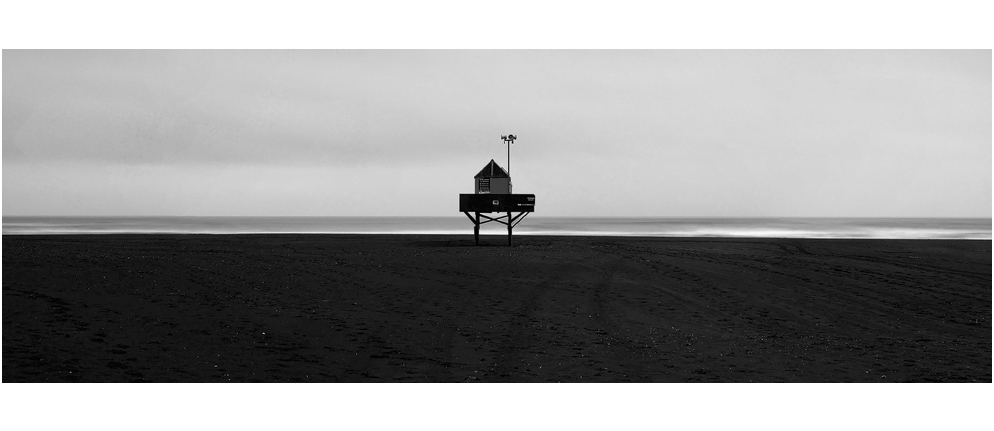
880	228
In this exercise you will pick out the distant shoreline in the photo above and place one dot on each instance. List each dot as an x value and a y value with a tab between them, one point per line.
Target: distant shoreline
653	227
498	237
703	227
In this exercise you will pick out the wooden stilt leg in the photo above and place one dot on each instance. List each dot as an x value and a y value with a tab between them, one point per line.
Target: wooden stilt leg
476	229
509	229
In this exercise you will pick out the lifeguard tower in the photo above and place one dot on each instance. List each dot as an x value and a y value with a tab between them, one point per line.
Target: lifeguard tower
493	195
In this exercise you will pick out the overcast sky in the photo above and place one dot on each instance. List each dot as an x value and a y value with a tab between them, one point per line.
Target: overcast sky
600	133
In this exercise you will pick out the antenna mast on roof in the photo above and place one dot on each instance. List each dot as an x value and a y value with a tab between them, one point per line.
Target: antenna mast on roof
508	139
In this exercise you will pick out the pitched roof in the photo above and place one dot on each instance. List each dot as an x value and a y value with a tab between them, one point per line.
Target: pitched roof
492	170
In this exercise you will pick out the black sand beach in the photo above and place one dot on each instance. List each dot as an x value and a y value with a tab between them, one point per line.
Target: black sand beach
393	308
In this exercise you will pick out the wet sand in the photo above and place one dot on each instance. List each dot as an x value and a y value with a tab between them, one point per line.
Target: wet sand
395	308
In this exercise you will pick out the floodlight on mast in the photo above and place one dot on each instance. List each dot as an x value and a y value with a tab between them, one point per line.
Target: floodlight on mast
508	139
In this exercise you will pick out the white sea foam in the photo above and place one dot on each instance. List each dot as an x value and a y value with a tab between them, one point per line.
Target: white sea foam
879	228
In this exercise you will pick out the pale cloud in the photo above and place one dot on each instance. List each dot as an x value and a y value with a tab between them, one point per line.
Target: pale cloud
699	133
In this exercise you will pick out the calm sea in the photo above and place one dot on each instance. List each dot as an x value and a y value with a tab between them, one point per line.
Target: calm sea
896	228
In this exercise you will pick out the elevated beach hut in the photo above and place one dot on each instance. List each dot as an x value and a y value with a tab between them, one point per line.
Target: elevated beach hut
493	195
493	179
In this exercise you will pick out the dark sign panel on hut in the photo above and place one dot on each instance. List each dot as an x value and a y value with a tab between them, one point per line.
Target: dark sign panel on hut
493	203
